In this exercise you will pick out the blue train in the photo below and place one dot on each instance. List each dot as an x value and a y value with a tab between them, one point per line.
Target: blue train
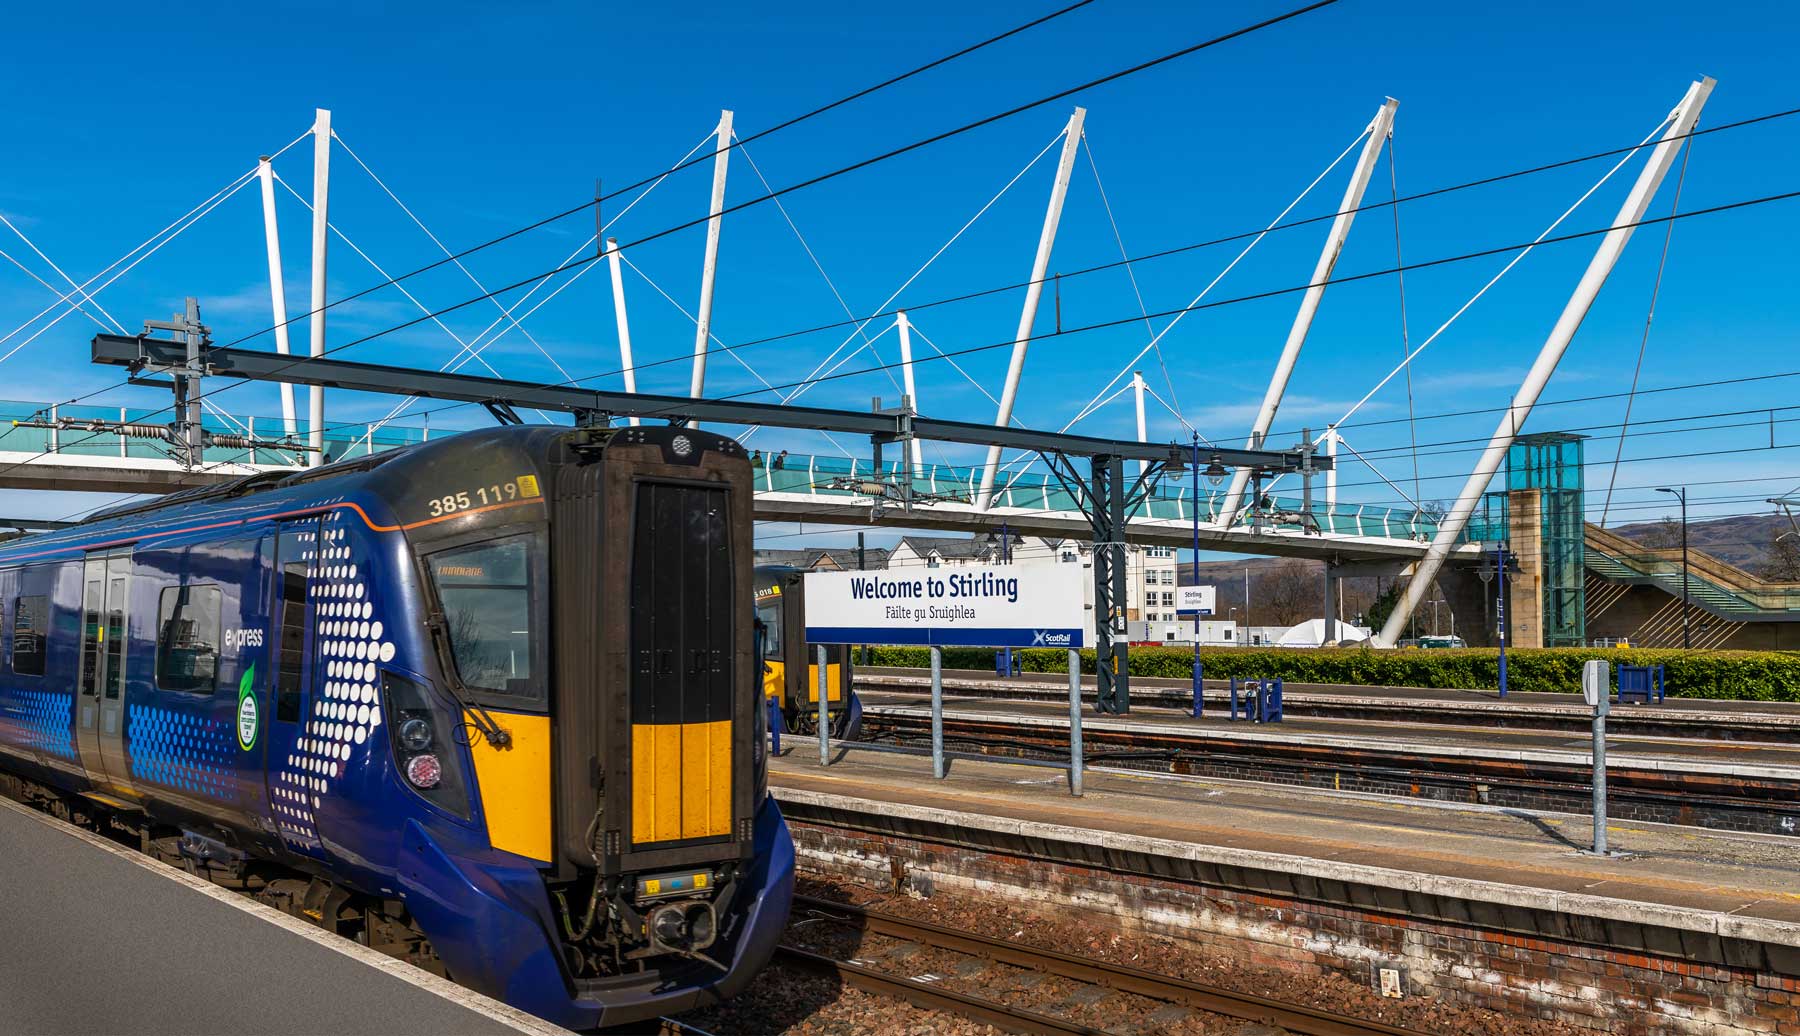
491	703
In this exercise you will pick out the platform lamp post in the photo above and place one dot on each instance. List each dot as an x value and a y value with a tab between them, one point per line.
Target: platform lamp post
1681	494
1005	558
1194	576
1215	474
1500	563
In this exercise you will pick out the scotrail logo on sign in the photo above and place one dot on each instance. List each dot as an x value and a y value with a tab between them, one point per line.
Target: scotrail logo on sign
1003	606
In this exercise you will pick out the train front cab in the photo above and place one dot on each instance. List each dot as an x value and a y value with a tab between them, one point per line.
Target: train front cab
791	665
659	871
661	769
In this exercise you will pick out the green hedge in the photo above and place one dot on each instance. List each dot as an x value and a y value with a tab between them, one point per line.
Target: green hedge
1746	675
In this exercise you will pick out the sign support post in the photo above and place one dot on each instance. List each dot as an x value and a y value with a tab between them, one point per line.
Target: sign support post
999	606
937	712
1076	756
824	711
1596	687
1200	600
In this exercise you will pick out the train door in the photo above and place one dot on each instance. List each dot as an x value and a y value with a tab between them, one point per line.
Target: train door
292	801
106	585
682	630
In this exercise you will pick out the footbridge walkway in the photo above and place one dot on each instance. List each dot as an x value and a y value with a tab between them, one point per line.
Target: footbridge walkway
80	454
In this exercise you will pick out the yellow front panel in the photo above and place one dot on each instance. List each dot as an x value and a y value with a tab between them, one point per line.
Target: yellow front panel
706	779
515	784
834	682
775	681
681	781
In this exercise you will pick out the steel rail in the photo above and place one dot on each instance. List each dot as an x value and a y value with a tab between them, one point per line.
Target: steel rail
1706	799
1296	1018
932	997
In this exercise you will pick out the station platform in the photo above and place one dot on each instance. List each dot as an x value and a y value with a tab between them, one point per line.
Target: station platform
1483	902
1710	881
1773	760
100	939
1704	717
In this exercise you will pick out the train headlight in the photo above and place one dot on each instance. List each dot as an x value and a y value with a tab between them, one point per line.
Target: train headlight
424	771
415	735
427	753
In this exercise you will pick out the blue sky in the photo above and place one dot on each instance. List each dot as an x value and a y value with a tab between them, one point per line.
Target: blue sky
484	119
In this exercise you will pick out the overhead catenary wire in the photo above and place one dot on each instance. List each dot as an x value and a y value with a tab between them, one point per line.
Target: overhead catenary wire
410	297
461	359
1466	185
1415	266
183	221
1106	205
1573	236
1176	318
857	325
814	259
470	274
1164	253
1167	252
988	120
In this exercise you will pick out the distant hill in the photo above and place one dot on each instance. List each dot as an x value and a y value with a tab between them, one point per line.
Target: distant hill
1742	541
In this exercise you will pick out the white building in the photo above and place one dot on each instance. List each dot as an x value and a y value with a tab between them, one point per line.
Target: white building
1213	632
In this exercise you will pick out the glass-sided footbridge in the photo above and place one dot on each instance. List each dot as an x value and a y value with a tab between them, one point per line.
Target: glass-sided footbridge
119	449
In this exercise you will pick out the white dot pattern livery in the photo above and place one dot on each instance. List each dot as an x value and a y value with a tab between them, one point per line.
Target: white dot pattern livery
345	708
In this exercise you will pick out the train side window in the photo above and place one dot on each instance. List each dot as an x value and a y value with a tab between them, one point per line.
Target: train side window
291	628
188	638
769	611
31	635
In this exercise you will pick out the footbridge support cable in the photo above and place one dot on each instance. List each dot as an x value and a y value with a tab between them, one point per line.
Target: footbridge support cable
1040	265
1612	245
1379	129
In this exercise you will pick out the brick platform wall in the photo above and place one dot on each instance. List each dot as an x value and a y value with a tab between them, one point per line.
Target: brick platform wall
1603	989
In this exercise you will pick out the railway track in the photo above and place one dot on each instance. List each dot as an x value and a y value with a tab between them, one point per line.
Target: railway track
1716	800
1728	721
1112	977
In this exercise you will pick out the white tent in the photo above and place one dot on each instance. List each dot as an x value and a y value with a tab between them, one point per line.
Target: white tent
1311	634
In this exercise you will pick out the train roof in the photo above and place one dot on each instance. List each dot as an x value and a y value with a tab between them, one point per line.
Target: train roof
136	518
396	478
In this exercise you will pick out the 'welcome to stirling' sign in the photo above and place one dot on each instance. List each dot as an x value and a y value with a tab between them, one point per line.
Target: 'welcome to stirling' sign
1003	606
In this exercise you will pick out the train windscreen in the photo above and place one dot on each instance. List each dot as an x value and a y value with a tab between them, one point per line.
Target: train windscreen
486	590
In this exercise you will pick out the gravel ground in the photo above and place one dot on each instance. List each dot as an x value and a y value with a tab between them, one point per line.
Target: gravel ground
1329	992
789	1002
796	1003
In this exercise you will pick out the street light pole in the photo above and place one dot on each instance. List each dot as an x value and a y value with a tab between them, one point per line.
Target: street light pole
1500	562
1194	575
1687	641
